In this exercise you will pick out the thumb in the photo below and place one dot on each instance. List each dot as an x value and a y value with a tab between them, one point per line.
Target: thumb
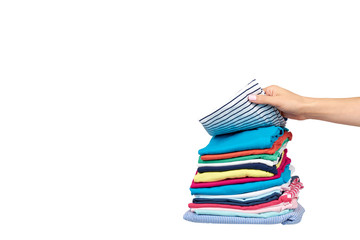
264	99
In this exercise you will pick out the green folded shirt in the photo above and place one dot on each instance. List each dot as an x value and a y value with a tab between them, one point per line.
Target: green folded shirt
271	157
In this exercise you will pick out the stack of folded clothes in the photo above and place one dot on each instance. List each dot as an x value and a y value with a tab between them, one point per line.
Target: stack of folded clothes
245	176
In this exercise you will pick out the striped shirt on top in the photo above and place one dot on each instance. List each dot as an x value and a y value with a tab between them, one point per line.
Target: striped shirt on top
241	114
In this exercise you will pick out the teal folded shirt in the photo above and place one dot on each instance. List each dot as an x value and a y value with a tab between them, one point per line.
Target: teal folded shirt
244	187
260	138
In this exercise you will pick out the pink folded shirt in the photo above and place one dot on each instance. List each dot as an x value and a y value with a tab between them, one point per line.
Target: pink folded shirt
223	207
292	191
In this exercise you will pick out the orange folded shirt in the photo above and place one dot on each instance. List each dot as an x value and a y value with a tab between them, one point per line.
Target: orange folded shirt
277	144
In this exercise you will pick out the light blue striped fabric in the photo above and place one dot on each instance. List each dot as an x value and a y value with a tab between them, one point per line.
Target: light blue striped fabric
240	114
241	214
289	218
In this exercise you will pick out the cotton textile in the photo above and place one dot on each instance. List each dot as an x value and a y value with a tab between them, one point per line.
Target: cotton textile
244	187
292	217
271	157
244	174
237	173
287	136
241	114
259	160
260	138
246	196
284	199
257	166
240	202
284	161
292	191
272	206
238	213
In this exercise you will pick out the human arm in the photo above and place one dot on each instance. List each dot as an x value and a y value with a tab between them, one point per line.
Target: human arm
294	106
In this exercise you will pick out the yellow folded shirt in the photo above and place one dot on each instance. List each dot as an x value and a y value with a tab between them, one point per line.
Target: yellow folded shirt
281	158
239	173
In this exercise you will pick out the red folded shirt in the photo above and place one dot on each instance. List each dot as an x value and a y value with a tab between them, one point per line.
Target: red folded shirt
286	197
277	144
253	207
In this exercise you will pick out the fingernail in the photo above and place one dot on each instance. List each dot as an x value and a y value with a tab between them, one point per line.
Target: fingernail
252	97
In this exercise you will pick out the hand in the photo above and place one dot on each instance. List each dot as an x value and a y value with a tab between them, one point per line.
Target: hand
288	103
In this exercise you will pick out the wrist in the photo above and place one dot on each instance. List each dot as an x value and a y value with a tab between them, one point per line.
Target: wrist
307	108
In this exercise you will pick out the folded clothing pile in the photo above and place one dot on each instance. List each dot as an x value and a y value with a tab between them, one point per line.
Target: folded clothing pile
245	176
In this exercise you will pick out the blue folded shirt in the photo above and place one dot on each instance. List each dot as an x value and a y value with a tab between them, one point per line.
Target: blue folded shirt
260	138
244	187
292	217
230	201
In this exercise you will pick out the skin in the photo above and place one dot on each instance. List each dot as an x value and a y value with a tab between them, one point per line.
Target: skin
293	106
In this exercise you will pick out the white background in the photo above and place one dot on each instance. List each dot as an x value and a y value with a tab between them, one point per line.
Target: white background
100	102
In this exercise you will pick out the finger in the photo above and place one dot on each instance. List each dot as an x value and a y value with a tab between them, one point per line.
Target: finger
271	90
264	99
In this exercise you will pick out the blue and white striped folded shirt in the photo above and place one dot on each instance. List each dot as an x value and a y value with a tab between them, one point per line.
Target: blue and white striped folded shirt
241	114
292	217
